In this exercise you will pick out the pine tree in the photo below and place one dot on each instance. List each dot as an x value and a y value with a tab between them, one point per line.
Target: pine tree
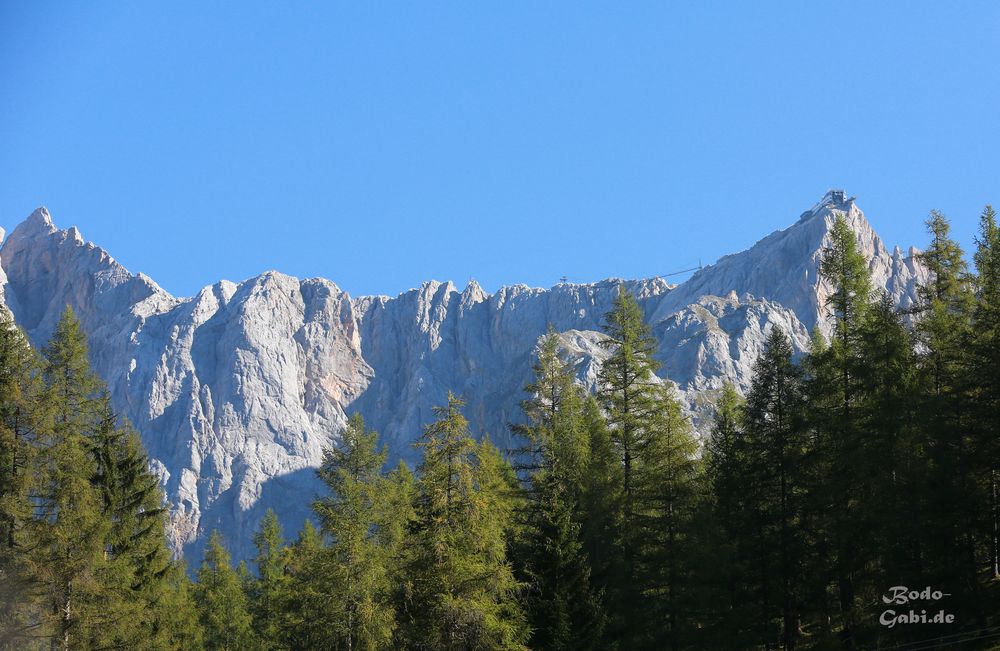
19	389
985	372
723	452
775	447
353	516
563	610
554	413
669	490
268	590
629	393
222	604
88	528
659	481
601	501
137	561
944	333
496	497
835	395
725	569
461	590
894	474
308	605
177	626
400	517
69	523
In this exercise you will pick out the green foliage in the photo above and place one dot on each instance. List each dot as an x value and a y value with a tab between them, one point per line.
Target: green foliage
177	625
836	394
223	607
669	489
137	562
461	591
68	559
358	518
725	566
601	504
19	390
268	591
564	611
775	447
944	334
659	492
984	370
84	560
307	607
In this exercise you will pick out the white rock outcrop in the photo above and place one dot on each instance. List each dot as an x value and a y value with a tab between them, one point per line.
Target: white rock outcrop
237	390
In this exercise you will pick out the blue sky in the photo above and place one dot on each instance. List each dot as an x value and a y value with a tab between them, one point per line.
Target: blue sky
510	142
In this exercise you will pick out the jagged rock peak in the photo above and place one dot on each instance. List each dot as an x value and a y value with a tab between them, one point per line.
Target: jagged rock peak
40	221
473	293
832	200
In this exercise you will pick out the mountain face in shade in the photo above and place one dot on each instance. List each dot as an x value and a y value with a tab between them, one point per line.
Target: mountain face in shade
237	390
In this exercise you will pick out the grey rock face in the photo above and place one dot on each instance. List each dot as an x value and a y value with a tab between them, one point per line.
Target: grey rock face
237	390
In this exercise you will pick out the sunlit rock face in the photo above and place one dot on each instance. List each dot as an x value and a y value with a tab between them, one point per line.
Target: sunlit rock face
237	390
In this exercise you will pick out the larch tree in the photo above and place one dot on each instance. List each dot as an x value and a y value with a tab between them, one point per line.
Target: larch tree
563	610
726	568
223	610
775	448
19	393
985	372
70	526
944	318
601	502
268	589
670	487
353	517
461	591
836	395
629	392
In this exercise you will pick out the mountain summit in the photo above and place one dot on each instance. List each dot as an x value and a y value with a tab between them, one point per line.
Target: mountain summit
237	390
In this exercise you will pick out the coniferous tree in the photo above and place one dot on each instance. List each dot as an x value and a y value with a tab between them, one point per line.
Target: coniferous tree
775	446
601	501
69	524
669	488
944	332
659	476
88	527
726	568
461	591
361	549
629	393
268	589
723	453
985	373
177	625
137	562
222	604
19	389
400	518
835	396
308	606
563	610
894	475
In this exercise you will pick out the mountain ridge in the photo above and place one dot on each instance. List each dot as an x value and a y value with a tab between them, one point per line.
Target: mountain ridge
237	389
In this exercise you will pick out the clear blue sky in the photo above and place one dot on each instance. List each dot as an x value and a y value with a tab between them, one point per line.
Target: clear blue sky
510	142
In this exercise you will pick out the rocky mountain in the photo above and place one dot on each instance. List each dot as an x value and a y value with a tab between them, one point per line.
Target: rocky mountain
237	390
